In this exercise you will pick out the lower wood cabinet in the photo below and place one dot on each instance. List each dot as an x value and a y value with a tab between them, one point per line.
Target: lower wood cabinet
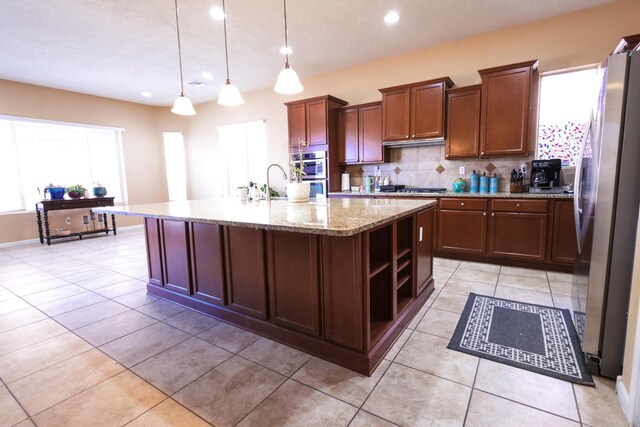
207	263
177	273
462	225
154	251
564	247
294	281
424	248
518	235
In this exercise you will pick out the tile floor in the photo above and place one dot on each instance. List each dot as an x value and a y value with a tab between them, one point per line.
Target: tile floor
82	344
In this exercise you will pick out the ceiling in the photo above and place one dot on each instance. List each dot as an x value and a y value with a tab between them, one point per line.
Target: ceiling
120	48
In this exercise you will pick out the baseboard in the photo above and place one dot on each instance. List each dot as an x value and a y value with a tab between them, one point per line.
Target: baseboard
623	399
31	241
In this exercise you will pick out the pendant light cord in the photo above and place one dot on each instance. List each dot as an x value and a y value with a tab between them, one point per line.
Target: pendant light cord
179	51
286	39
226	51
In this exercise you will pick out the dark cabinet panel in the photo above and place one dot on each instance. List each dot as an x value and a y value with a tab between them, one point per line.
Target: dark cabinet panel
296	116
463	122
176	256
246	276
342	290
506	109
317	122
462	231
294	281
371	134
424	248
208	263
348	135
427	111
564	248
154	251
518	235
360	134
396	114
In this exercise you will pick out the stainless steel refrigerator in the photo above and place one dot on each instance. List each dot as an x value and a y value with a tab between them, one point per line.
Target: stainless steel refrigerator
607	196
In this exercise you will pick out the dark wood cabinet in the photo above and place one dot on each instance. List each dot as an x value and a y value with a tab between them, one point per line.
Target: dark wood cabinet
463	122
207	263
507	120
415	111
154	251
564	246
177	273
360	134
294	281
424	249
462	225
245	271
312	120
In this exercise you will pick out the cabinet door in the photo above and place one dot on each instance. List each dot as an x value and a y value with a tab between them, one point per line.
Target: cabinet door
424	249
317	122
395	114
177	264
207	263
294	281
462	231
563	245
371	134
296	117
463	124
154	251
246	277
427	111
518	235
504	123
348	136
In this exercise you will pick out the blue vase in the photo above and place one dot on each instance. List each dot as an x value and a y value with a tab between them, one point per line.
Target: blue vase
99	191
56	193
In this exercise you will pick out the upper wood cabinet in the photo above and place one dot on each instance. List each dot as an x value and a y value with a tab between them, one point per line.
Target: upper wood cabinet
360	134
463	122
508	94
415	111
311	120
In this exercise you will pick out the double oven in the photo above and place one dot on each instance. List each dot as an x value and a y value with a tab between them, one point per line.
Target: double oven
314	164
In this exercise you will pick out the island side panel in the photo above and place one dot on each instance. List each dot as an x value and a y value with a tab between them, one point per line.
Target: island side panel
154	251
424	248
294	281
245	268
342	290
207	263
177	265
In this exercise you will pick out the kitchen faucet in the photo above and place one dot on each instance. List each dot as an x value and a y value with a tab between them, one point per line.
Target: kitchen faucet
284	176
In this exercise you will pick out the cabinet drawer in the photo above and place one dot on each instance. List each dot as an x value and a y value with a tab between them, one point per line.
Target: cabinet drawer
520	205
464	204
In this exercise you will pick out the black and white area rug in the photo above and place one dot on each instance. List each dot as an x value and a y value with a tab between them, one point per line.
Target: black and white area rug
528	336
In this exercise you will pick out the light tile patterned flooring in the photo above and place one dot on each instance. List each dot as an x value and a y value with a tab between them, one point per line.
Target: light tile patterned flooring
82	344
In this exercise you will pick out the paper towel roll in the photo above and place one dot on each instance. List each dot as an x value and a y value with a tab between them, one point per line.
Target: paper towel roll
346	185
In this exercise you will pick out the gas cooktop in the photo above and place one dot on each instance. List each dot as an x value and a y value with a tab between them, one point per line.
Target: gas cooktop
422	190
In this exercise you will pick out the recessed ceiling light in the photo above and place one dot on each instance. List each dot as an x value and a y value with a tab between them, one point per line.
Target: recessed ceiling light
146	94
391	17
216	13
207	75
286	50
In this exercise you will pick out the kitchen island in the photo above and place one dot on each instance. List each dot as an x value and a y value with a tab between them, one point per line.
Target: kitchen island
336	278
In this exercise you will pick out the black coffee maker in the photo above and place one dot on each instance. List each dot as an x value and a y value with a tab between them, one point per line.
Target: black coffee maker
545	176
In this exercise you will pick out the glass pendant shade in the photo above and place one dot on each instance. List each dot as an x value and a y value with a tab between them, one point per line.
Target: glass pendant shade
183	106
229	95
288	82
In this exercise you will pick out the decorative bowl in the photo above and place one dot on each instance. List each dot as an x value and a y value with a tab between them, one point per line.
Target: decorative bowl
56	193
99	191
75	194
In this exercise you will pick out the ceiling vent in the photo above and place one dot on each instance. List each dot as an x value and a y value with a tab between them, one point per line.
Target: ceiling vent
197	83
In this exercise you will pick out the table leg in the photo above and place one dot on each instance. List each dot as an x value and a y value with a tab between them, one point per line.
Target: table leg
46	227
113	223
106	224
39	220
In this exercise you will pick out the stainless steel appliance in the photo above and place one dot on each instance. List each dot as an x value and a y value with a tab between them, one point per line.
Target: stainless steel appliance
318	188
314	164
545	176
422	190
606	210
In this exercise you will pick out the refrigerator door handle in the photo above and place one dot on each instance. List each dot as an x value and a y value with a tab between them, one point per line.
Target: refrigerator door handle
577	186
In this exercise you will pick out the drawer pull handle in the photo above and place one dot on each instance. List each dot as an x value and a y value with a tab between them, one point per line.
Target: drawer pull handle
461	203
517	205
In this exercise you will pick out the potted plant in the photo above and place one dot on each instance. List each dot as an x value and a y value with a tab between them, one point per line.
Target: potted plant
297	189
99	190
56	192
76	191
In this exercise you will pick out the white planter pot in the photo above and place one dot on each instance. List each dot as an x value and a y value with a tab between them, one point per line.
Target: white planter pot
298	191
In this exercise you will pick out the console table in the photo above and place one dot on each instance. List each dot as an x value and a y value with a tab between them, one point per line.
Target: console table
43	208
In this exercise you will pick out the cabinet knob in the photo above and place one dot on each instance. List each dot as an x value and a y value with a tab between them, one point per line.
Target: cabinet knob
413	136
492	214
406	136
482	153
517	205
461	203
484	214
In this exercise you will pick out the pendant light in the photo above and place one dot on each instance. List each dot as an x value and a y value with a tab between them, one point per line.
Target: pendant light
229	94
182	105
288	81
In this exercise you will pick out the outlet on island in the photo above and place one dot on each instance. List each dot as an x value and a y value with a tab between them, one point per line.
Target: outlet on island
67	220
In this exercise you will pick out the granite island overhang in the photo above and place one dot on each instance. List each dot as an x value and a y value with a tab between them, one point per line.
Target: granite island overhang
336	278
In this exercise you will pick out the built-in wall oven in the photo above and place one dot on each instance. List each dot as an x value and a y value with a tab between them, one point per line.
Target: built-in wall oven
314	165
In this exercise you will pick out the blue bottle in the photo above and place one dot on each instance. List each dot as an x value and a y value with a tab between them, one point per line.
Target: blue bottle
473	182
484	183
493	184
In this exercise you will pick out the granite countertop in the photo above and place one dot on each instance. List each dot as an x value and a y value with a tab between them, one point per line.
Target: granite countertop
334	217
502	194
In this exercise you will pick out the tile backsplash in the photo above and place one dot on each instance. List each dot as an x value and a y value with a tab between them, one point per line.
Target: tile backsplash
427	167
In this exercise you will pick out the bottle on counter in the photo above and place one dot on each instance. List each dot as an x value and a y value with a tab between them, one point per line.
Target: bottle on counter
368	183
378	179
493	183
473	182
386	180
484	183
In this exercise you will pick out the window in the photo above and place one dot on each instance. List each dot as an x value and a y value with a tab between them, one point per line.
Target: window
34	154
244	147
566	102
175	165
